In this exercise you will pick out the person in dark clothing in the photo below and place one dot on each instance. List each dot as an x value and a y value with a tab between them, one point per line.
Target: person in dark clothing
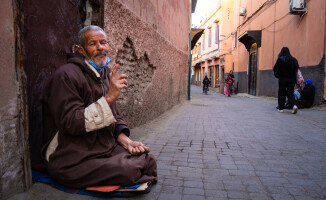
305	97
206	82
285	70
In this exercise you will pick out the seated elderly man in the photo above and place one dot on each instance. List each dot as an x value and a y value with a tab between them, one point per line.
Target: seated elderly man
86	140
305	97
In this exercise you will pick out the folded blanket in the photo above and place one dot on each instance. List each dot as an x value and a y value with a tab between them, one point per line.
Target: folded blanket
99	191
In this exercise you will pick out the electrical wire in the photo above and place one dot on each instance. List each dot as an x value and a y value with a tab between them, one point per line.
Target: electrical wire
254	13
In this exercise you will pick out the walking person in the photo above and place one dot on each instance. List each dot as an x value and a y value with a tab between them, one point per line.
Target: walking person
285	70
206	82
229	83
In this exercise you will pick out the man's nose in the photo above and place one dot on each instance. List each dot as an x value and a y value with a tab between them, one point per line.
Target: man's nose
99	47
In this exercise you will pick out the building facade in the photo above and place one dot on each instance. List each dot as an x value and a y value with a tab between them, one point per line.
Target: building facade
212	54
148	38
266	27
260	28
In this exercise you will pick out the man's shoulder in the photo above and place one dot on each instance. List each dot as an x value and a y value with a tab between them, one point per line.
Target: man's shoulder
68	69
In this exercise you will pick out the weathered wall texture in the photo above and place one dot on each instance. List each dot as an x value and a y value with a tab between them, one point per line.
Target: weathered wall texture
169	17
13	144
157	68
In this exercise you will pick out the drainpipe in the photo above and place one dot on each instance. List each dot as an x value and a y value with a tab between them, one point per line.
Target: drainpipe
190	56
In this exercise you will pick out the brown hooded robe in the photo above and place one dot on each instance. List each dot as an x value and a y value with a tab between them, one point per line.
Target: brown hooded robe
82	158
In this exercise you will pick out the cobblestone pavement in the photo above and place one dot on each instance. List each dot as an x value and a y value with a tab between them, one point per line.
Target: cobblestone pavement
215	147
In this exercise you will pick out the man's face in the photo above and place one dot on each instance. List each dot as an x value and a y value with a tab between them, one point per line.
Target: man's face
96	47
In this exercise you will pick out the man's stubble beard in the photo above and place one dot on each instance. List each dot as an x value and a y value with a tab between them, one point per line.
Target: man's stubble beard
97	62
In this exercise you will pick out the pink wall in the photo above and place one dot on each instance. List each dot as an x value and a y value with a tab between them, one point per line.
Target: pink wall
303	35
167	17
304	38
7	51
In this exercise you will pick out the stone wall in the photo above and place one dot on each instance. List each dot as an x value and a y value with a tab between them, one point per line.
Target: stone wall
13	108
157	68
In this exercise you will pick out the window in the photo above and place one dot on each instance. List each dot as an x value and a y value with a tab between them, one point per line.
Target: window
217	34
199	48
235	39
203	42
209	36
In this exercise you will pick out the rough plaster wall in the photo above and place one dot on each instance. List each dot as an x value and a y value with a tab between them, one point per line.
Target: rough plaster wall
168	85
140	74
166	16
12	173
11	147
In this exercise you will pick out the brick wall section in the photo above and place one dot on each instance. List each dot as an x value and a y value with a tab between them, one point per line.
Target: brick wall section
141	50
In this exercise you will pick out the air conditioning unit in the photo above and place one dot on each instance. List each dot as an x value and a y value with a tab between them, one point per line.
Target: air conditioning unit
242	11
297	7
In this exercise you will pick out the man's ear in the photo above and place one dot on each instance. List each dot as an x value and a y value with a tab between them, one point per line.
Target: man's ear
81	51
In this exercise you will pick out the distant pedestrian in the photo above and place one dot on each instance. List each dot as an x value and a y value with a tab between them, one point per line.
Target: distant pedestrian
206	82
229	83
285	70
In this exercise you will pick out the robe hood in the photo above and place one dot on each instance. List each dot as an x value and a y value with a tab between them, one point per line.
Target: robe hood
285	59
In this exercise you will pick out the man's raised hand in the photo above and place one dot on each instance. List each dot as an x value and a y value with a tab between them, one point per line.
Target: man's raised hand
117	82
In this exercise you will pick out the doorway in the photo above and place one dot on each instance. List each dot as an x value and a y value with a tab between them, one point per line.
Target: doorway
211	75
47	48
252	71
202	74
222	74
216	75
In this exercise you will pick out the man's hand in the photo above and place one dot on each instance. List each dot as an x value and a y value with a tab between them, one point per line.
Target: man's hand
133	147
117	82
136	148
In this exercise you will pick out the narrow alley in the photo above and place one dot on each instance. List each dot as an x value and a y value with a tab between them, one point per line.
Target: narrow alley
215	147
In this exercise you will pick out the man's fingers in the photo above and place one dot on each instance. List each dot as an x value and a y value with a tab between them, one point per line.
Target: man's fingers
115	69
141	149
135	143
146	149
124	81
122	76
133	151
137	150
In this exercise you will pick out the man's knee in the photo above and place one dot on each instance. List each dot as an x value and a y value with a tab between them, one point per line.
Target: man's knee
151	160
